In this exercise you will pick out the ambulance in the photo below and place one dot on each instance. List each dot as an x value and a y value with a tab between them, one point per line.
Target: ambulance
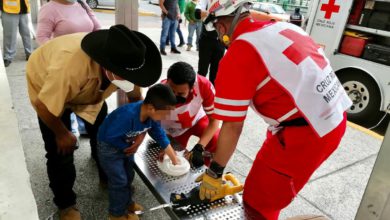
355	35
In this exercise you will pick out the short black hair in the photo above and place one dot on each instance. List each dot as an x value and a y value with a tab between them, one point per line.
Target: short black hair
160	96
181	73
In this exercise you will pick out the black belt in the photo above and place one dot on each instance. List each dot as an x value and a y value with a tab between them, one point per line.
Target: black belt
294	122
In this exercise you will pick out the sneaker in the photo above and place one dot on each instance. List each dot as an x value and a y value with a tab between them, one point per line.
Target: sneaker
174	50
7	63
189	48
163	52
70	213
308	217
135	207
181	44
125	217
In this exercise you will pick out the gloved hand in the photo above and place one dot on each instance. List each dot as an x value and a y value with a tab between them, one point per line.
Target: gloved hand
195	156
212	187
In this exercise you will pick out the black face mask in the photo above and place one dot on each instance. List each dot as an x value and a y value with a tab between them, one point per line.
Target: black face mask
180	99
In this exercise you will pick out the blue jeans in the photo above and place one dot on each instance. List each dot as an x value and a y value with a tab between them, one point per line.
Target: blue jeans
178	31
120	173
168	26
197	26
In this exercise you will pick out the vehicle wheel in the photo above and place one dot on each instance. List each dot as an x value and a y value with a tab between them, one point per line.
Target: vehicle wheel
92	3
365	95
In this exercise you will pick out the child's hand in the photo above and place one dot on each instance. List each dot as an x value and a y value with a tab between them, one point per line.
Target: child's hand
172	155
136	143
161	156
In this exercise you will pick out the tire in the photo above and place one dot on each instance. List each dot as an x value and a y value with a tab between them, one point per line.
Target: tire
365	95
92	3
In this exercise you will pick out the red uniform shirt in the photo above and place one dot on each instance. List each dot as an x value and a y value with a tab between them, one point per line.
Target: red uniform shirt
200	102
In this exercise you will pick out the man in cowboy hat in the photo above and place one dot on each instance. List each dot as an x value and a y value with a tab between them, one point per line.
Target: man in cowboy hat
75	73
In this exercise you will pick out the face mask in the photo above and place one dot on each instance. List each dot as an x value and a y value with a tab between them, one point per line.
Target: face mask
125	85
71	1
180	99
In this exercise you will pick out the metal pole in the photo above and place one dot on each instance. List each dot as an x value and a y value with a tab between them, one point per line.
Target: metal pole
126	12
34	6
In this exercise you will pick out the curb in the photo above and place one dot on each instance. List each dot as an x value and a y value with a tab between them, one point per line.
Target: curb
147	13
365	130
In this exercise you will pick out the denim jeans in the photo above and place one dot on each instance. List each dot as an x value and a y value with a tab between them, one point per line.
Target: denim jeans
197	26
168	26
179	33
120	173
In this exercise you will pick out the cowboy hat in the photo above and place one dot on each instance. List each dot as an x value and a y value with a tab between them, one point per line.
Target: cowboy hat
127	53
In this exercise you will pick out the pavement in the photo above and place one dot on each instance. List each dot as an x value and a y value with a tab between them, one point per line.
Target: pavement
335	189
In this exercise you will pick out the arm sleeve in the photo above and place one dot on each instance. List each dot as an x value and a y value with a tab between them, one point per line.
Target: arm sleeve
46	25
237	79
95	21
158	134
207	92
59	83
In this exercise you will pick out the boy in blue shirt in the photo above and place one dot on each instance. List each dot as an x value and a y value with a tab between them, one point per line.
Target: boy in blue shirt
119	137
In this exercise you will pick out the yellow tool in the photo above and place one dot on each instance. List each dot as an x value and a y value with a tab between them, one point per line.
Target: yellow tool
235	188
230	186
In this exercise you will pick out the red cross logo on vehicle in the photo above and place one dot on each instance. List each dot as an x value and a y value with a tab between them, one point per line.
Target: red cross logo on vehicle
185	119
302	48
330	8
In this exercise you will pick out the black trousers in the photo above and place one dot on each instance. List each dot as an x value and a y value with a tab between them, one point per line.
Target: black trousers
60	168
211	51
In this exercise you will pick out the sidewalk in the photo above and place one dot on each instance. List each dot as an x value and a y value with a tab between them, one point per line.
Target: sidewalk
335	190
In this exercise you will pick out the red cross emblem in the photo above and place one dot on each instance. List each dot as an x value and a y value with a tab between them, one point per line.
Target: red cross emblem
302	47
330	8
185	119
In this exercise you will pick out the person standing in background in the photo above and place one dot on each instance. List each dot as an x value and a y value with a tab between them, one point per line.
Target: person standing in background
211	50
15	15
182	4
61	17
193	25
170	16
297	17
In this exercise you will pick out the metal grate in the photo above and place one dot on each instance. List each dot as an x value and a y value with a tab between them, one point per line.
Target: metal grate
228	208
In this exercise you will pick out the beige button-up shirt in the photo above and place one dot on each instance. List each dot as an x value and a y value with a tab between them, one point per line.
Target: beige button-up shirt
61	75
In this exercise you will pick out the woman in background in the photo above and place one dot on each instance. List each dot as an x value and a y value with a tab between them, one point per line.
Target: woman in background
61	17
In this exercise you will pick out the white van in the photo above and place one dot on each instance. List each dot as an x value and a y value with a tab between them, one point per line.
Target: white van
357	44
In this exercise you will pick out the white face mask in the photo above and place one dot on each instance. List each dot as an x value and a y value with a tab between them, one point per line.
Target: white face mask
124	85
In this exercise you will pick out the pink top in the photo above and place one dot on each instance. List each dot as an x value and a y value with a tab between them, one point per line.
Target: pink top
56	19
